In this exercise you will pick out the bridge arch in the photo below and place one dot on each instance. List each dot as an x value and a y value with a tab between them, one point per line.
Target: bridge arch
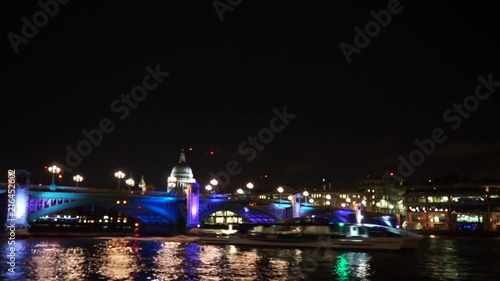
143	212
247	213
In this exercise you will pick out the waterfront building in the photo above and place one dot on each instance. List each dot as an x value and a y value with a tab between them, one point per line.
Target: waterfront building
382	195
376	194
222	218
453	206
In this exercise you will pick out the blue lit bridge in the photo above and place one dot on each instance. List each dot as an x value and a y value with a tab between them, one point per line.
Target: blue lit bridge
151	208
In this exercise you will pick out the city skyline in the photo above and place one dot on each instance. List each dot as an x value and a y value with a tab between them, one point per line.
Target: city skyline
236	139
358	107
261	183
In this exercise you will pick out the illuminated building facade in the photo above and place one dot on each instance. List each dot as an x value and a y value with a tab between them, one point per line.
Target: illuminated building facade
381	195
459	206
375	194
86	218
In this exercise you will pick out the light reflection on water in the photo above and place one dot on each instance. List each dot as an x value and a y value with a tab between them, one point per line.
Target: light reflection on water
352	264
51	261
116	259
123	259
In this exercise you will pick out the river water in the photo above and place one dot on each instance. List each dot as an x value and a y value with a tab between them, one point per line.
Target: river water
92	259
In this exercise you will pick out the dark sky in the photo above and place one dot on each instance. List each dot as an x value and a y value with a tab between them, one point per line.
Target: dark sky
226	77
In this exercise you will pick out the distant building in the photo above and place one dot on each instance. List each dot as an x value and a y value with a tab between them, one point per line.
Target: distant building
142	184
181	176
375	194
469	206
381	195
326	184
145	187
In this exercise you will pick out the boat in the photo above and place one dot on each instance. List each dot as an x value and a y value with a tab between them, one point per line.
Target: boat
313	232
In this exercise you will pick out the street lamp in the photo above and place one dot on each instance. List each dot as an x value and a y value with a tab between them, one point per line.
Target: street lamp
239	191
214	183
280	190
172	183
130	182
208	188
120	175
78	179
305	193
54	170
250	187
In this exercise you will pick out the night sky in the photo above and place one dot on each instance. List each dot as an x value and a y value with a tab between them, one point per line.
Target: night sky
228	78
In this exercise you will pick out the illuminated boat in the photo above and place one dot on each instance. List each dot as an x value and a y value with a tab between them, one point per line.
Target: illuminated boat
319	232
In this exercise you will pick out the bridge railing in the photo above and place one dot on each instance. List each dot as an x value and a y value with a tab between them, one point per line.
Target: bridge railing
95	190
60	188
227	197
155	193
135	192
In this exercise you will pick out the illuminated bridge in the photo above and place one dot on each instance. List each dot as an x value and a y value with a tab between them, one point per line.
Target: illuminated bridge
151	208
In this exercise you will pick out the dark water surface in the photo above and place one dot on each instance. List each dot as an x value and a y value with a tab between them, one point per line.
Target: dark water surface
68	259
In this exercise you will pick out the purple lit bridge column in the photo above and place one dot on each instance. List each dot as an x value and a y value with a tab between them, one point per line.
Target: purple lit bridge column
296	206
193	205
17	207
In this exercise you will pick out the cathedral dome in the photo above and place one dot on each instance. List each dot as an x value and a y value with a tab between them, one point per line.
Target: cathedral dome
182	171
